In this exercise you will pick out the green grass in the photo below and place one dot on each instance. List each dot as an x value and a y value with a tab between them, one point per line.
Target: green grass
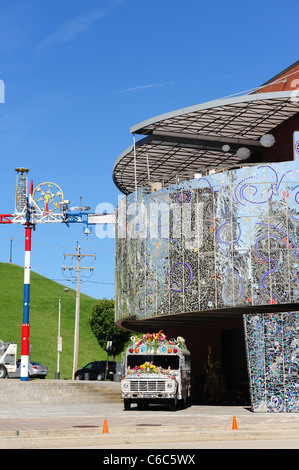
43	320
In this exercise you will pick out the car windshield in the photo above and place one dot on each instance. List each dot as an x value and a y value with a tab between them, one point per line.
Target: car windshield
89	366
158	360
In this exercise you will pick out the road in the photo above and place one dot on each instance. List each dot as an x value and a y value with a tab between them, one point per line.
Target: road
80	426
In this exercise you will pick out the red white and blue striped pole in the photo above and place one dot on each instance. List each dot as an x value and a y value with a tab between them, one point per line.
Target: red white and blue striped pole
25	325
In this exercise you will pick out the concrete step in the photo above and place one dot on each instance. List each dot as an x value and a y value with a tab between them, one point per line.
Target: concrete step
58	391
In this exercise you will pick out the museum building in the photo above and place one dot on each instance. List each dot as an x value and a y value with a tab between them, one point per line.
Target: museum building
207	241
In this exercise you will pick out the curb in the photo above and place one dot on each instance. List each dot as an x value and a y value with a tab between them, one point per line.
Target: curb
93	436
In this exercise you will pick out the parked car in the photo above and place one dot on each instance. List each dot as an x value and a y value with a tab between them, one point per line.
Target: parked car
35	370
96	371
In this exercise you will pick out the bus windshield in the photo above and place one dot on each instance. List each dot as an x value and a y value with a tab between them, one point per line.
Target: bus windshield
158	360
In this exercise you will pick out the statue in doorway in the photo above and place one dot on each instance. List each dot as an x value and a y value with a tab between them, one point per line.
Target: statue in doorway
212	385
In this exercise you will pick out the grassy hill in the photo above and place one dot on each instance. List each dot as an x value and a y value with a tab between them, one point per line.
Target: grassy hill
43	320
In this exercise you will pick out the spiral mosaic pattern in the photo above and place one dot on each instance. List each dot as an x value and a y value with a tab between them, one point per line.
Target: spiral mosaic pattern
230	239
273	361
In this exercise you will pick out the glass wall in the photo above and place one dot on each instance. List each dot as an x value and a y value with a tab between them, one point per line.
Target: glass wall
273	353
229	239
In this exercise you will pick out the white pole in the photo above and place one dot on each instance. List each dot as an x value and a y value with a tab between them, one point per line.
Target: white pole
58	340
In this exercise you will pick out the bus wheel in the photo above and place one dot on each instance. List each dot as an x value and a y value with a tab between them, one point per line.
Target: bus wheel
127	404
3	371
173	404
183	403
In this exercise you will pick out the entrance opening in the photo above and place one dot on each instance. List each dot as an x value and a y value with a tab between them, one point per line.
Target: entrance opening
234	384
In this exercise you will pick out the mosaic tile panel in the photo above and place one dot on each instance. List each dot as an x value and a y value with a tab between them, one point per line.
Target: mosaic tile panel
229	239
272	346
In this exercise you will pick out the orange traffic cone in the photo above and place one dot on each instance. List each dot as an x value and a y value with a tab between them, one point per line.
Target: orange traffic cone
105	427
235	426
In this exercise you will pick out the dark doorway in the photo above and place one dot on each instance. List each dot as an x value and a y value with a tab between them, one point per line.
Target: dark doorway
234	387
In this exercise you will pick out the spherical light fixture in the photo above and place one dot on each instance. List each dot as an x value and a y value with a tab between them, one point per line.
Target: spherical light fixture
226	148
267	140
243	153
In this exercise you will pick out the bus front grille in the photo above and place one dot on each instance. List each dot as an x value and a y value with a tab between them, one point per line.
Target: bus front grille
147	385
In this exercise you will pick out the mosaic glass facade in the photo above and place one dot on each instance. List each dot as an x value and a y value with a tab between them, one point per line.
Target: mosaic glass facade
273	359
228	239
224	240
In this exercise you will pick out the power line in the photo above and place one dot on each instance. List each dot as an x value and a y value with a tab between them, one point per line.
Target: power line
54	279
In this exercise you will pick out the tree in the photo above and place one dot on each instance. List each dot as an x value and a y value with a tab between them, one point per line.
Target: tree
102	325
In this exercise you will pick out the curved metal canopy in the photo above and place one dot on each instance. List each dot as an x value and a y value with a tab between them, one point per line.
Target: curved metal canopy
191	139
194	318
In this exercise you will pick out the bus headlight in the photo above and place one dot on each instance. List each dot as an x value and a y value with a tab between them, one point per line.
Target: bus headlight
170	386
125	385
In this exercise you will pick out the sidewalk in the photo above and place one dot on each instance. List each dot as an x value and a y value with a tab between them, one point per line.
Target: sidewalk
79	426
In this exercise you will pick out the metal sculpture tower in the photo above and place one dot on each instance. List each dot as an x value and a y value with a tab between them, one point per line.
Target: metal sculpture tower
44	204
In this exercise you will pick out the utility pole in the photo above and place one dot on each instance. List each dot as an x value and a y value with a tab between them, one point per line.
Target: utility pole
79	256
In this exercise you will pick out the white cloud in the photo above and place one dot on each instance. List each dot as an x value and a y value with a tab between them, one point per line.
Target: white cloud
71	29
142	87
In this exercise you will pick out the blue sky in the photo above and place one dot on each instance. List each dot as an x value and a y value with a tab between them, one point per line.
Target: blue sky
79	74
